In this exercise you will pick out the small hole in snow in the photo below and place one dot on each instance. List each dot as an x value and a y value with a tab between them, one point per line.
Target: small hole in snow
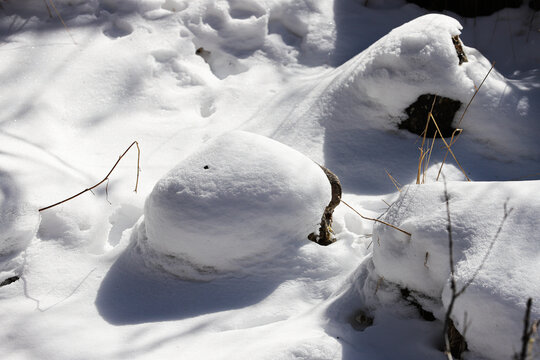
206	167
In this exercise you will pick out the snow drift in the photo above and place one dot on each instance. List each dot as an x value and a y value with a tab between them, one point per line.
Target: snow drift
237	202
373	89
495	301
326	78
18	220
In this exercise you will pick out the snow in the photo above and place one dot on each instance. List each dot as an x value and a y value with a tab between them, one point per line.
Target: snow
239	201
495	300
260	91
18	225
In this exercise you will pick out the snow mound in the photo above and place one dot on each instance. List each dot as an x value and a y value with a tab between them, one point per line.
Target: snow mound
373	90
18	221
493	307
240	200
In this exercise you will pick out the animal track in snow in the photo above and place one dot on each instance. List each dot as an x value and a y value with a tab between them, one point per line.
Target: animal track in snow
208	107
118	28
174	5
163	55
169	66
245	10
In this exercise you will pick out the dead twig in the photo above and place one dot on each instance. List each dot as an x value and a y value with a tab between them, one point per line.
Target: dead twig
529	331
376	220
62	20
394	181
448	148
106	178
462	116
426	164
448	348
423	153
48	9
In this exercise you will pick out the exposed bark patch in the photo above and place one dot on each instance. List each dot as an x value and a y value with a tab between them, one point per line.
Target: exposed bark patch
9	281
459	50
425	314
205	54
325	230
457	342
444	111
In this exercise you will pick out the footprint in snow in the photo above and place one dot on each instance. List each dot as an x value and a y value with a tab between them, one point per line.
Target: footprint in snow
174	5
117	29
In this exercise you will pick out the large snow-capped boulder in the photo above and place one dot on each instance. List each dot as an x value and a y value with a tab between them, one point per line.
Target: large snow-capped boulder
374	89
493	306
240	200
420	58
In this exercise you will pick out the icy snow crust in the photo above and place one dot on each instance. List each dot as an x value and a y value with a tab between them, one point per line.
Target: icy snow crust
240	201
226	84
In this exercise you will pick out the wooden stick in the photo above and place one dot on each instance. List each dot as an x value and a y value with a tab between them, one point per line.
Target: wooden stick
62	20
449	149
464	112
452	142
106	177
376	220
394	181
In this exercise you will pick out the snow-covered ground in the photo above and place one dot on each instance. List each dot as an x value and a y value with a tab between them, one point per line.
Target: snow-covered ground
234	103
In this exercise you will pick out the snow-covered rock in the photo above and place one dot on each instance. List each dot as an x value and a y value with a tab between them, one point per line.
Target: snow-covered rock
235	203
495	301
373	89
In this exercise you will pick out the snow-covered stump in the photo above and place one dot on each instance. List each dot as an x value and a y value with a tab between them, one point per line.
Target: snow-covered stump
239	201
490	312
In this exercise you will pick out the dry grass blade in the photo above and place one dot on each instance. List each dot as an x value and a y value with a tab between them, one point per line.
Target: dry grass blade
62	20
453	140
449	149
422	151
474	95
420	162
394	181
525	177
376	220
48	9
106	178
477	89
426	164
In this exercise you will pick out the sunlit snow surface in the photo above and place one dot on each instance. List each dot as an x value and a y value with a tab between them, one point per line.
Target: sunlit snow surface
111	275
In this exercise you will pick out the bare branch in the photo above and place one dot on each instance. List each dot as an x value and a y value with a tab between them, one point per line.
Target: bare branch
463	115
453	287
106	178
529	331
449	149
488	252
62	20
376	220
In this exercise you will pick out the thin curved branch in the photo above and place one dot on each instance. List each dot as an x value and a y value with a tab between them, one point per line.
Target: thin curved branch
106	178
376	220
